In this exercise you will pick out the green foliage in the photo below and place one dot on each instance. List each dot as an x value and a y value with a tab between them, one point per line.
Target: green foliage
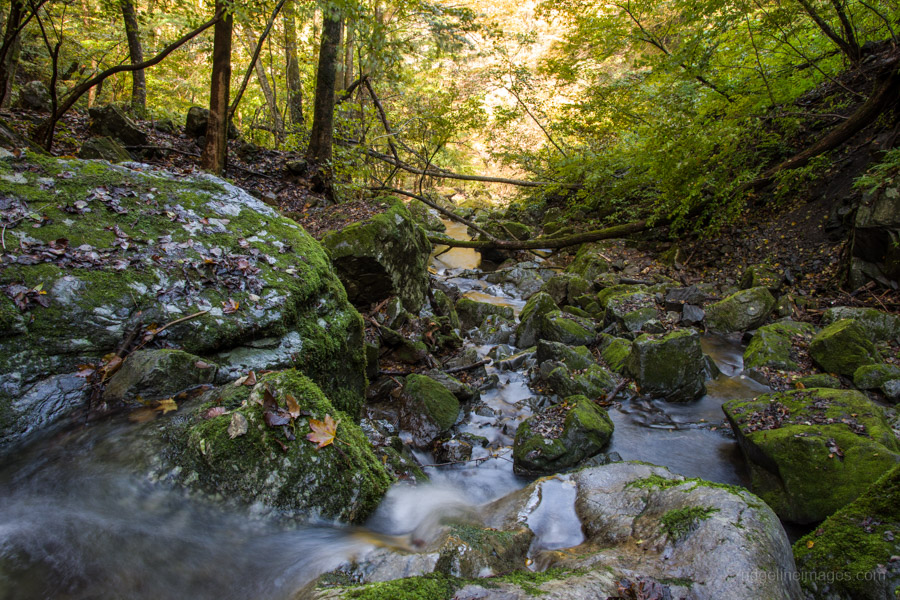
882	173
679	522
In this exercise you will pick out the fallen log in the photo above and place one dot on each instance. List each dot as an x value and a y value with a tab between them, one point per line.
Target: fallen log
615	231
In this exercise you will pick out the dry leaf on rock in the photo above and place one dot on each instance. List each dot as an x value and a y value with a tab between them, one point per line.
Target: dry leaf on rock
323	432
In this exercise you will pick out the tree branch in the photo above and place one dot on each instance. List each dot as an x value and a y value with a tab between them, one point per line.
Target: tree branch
615	231
256	53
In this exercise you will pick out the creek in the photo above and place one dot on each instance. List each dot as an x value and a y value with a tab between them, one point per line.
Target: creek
79	521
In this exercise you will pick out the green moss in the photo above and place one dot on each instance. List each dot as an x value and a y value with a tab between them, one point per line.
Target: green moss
679	522
842	348
530	580
854	542
530	318
557	326
615	352
772	345
429	587
655	482
747	309
440	405
472	313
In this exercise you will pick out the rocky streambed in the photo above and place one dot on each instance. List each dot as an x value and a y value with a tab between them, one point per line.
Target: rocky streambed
194	407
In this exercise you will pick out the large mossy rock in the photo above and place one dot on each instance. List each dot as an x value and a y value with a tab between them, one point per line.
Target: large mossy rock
631	310
747	309
870	377
608	529
879	326
427	409
851	555
566	328
386	255
240	455
875	247
842	348
593	382
812	451
110	121
148	375
669	366
122	251
566	287
529	328
103	148
575	358
774	345
473	313
561	436
590	261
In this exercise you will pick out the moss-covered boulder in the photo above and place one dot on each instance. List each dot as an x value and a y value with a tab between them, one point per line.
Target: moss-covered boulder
870	377
103	148
473	313
561	436
818	380
578	357
427	409
590	261
529	328
842	348
427	218
614	351
494	330
669	366
559	326
747	309
256	453
762	275
593	382
386	255
148	375
774	345
121	251
879	326
812	451
851	555
631	310
566	287
444	307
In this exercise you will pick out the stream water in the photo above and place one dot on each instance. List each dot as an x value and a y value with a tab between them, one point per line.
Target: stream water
78	521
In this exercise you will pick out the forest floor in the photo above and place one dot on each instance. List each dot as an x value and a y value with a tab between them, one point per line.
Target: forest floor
806	236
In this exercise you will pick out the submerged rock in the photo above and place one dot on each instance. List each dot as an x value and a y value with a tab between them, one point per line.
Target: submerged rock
668	366
561	436
124	251
244	452
812	451
852	554
747	309
842	348
386	255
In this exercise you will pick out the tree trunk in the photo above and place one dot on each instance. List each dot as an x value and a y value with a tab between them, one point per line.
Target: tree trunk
13	43
136	54
349	43
613	232
321	138
269	94
216	148
295	94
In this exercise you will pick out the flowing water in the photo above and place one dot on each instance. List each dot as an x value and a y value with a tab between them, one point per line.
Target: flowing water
78	521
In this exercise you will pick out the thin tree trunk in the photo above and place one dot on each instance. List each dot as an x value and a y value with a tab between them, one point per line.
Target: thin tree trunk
13	43
216	149
136	54
849	47
349	43
269	95
295	93
319	152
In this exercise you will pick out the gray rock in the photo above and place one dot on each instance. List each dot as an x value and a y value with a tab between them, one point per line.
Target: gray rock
875	246
103	148
692	315
197	121
566	287
34	95
529	328
677	298
558	326
148	375
473	313
870	377
110	121
592	382
427	409
575	358
747	309
879	326
42	408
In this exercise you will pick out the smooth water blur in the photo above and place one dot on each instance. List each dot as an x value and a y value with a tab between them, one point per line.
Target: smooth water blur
456	258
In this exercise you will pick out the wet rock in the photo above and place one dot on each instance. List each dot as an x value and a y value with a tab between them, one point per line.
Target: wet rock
575	358
529	328
148	375
458	448
472	313
557	326
812	451
870	377
747	309
41	407
668	366
494	330
592	382
853	553
879	326
762	275
561	436
444	308
393	316
614	351
842	348
524	278
34	95
891	390
273	466
772	345
875	246
566	287
260	293
103	148
692	315
110	121
384	256
427	409
463	391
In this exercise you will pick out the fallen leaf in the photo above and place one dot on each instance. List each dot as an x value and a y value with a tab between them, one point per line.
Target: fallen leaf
238	425
215	411
292	406
251	379
166	406
810	544
323	432
230	307
277	418
202	364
